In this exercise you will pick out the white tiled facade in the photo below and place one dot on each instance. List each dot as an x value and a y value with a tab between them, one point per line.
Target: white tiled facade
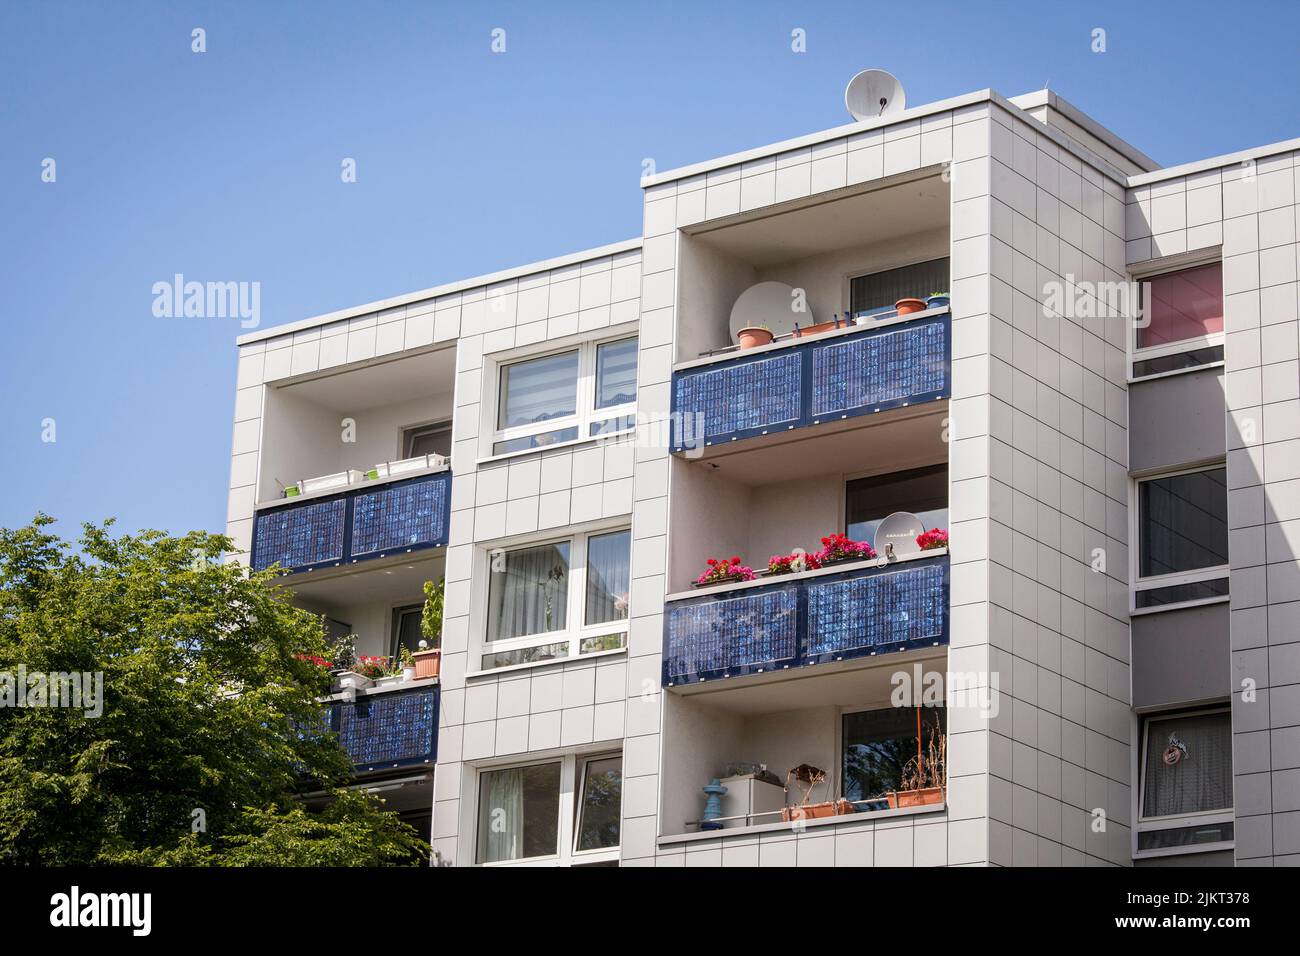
1037	445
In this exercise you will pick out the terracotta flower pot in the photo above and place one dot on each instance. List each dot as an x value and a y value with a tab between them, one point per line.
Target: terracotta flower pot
814	811
750	338
908	306
427	663
915	798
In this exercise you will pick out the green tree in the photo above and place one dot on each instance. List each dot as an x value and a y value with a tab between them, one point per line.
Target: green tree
206	680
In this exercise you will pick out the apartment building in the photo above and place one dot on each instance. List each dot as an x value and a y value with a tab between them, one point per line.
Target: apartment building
1103	413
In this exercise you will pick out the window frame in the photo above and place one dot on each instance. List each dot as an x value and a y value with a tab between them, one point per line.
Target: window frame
1146	353
576	629
1175	578
586	415
841	740
395	626
1145	824
408	434
572	783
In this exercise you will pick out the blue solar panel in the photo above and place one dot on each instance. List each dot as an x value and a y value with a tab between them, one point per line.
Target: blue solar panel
858	373
863	371
396	729
354	525
857	614
740	397
807	621
300	536
736	634
399	517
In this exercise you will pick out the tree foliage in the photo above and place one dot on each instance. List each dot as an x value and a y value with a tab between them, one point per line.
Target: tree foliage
205	684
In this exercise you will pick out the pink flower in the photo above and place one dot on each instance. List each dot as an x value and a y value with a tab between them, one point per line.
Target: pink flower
932	539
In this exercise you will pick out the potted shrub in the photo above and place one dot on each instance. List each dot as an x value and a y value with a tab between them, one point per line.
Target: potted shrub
807	778
752	336
932	540
839	548
428	659
835	323
937	300
407	662
724	571
908	306
922	782
792	563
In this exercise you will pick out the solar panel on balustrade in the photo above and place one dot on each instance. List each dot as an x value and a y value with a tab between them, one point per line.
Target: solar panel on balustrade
389	728
740	397
300	536
860	372
748	632
399	517
877	611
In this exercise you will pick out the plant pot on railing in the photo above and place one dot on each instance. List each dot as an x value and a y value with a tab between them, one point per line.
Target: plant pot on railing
908	306
915	798
427	663
814	811
835	323
937	300
753	336
351	680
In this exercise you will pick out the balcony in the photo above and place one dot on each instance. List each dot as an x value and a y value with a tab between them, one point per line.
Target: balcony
387	729
369	520
817	617
798	383
814	380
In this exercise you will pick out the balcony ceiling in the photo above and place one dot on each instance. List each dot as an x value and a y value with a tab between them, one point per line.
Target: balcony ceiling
907	208
382	383
381	581
887	441
856	683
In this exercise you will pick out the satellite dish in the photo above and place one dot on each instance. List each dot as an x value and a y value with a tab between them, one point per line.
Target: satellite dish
874	93
769	304
897	534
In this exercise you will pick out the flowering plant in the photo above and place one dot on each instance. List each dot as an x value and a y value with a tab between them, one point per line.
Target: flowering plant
316	659
373	666
792	563
932	539
722	570
838	547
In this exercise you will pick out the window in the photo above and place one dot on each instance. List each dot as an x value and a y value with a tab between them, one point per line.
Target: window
406	628
560	599
427	440
1182	305
878	746
583	392
1182	538
879	291
869	501
1182	325
1186	786
565	810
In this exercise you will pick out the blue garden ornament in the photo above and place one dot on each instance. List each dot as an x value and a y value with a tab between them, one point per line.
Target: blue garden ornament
712	806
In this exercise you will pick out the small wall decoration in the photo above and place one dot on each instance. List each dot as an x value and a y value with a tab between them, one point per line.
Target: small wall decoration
1175	752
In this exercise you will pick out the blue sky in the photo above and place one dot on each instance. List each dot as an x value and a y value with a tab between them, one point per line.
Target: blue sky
225	166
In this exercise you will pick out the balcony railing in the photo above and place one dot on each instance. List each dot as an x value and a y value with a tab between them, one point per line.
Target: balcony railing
375	520
387	730
815	618
802	382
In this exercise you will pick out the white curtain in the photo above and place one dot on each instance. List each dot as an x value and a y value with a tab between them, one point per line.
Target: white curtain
529	592
502	816
1200	778
608	576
